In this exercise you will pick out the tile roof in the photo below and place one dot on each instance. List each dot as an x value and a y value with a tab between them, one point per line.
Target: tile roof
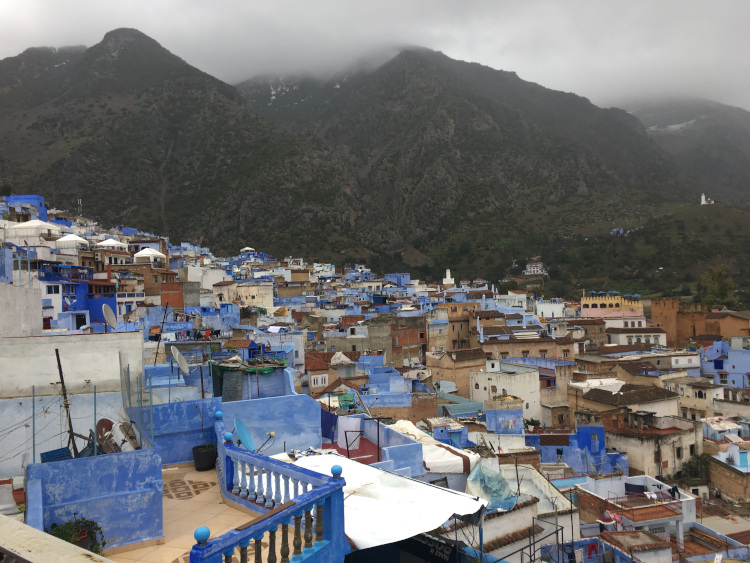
321	361
638	330
629	394
637	540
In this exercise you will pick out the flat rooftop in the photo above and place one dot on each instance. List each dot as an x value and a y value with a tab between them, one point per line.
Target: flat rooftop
190	499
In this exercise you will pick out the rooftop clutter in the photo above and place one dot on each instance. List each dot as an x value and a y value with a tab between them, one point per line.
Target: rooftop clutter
494	409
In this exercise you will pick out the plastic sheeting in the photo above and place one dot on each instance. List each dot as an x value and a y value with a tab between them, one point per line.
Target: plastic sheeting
382	507
438	457
492	487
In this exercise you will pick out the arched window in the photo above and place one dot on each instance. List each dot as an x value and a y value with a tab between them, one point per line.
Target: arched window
594	306
630	339
476	386
617	305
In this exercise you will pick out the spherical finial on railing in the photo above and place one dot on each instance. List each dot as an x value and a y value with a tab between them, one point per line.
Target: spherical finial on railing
336	471
201	535
228	436
218	415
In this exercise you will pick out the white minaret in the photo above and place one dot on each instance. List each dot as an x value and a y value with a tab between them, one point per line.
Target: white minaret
448	280
703	199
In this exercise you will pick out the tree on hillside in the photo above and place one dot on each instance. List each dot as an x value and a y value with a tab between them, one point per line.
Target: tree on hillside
717	288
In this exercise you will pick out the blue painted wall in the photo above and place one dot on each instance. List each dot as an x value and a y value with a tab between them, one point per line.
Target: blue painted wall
177	428
585	454
122	492
294	418
508	421
6	265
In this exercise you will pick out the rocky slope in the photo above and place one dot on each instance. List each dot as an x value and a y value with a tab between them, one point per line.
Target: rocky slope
709	141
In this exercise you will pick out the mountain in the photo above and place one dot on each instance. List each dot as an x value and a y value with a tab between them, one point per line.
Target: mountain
443	146
145	139
708	141
422	162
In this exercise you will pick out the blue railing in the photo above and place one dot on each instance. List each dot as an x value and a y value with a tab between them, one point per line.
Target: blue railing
284	494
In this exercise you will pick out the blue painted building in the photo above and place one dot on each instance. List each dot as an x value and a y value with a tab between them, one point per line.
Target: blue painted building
583	450
728	363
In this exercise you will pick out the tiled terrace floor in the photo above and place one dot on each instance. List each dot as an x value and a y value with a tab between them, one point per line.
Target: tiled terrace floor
191	499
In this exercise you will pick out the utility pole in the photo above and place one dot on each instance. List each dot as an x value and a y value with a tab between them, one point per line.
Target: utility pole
66	404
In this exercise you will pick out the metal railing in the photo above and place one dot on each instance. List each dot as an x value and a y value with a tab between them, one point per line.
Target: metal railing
285	494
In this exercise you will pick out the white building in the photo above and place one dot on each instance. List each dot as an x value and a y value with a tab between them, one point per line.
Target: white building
504	378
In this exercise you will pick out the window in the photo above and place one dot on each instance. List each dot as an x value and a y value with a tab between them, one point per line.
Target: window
566	353
156	279
442	348
421	335
454	309
648	340
692	449
525	353
626	324
296	354
527	405
503	355
476	386
678	452
560	455
354	347
493	388
542	353
492	364
352	331
640	324
723	378
561	419
702	414
395	338
550	383
333	348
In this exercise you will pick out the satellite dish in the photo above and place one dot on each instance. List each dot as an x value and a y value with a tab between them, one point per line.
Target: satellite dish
177	355
109	316
245	439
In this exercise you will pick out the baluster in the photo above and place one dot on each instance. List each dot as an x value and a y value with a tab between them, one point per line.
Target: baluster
269	489
257	549
272	544
285	541
308	529
286	488
237	477
261	498
295	487
228	554
319	521
277	489
243	479
304	487
243	549
297	542
251	482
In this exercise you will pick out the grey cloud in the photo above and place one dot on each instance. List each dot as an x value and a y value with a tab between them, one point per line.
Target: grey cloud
607	51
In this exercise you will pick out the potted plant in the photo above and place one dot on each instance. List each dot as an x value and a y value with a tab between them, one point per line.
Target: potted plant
204	455
81	532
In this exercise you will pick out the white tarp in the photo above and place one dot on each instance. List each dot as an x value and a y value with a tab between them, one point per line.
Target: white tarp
438	457
382	507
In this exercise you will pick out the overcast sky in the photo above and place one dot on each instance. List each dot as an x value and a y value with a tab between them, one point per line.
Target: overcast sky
608	51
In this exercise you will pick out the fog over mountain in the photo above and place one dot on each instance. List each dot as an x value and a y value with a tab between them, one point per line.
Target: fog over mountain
605	51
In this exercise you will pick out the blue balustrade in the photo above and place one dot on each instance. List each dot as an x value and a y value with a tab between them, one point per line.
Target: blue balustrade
284	495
